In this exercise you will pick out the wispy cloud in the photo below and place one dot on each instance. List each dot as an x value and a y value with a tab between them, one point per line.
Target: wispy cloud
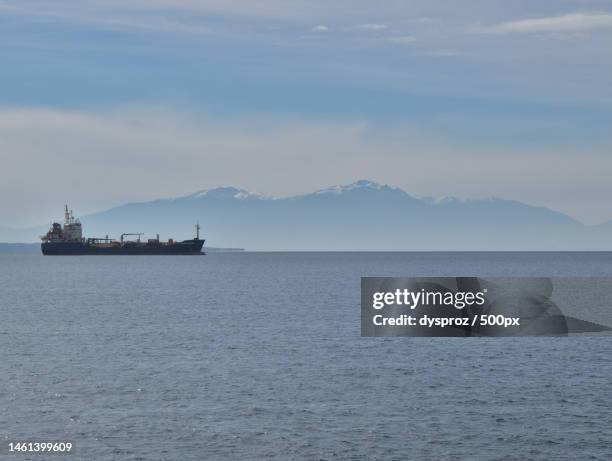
575	22
372	27
111	20
320	28
443	53
274	9
402	39
428	20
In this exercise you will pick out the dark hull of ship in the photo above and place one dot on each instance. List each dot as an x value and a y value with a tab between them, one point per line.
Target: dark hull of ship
186	247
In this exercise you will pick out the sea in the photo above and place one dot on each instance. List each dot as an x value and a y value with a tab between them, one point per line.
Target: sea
253	356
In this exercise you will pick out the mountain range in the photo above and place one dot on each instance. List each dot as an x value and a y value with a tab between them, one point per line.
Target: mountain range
359	216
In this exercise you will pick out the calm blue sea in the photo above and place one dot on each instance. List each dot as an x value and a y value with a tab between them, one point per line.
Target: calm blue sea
259	356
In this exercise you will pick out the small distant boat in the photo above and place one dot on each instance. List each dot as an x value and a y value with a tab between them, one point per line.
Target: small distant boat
68	240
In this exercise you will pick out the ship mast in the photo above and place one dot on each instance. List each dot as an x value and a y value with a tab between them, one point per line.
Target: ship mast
66	215
198	230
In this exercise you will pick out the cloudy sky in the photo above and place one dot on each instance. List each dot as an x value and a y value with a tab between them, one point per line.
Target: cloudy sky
108	101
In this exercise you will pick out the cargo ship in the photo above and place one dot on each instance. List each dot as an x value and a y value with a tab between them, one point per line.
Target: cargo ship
68	240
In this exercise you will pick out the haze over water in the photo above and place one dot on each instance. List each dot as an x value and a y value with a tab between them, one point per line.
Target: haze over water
259	355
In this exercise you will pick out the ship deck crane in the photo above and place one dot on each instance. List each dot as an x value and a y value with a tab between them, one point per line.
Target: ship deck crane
134	233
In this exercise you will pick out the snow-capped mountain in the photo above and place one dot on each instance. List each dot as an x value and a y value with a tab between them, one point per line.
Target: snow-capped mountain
362	184
363	215
223	193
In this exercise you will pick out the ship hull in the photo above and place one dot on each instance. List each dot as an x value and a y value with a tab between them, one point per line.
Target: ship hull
186	247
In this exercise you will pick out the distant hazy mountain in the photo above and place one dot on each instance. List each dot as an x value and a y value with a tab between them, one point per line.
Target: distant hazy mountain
9	234
607	226
359	216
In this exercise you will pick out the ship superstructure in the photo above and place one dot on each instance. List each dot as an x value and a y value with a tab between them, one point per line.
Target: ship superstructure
72	231
68	240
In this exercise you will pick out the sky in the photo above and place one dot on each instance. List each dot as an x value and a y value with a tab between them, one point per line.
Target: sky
108	102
